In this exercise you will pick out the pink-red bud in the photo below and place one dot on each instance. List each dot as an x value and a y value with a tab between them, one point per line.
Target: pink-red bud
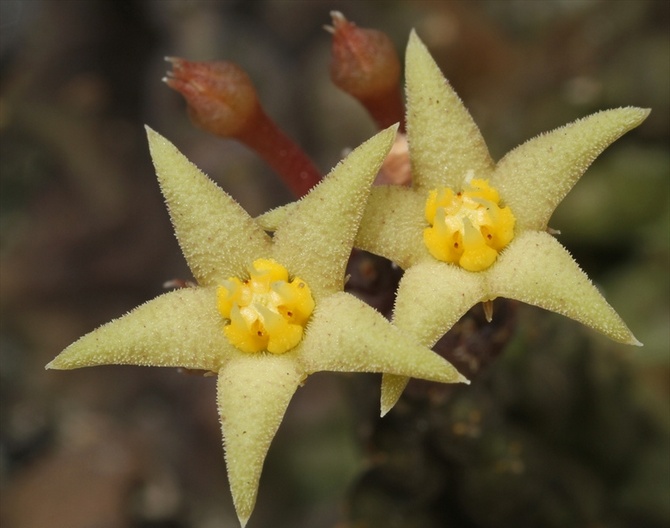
222	100
365	64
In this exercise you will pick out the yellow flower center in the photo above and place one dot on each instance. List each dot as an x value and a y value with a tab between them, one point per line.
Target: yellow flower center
468	228
265	311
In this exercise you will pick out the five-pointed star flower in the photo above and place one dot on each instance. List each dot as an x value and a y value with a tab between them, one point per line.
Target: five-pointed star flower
266	313
471	230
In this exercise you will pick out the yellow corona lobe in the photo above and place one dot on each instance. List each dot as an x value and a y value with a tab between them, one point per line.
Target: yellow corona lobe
468	228
267	311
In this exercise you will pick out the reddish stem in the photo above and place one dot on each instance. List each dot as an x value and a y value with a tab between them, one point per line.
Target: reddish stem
222	100
281	153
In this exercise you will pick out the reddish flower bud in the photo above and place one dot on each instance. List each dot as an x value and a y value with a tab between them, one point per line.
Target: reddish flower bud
222	100
366	65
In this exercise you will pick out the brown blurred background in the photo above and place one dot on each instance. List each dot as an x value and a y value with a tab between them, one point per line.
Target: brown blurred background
84	235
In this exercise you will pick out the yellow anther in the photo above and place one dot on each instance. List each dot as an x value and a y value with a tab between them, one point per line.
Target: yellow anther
265	311
468	228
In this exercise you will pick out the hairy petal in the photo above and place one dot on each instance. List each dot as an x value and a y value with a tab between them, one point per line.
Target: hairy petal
347	335
537	270
393	225
254	391
431	298
392	388
218	238
444	142
181	328
316	239
535	177
272	219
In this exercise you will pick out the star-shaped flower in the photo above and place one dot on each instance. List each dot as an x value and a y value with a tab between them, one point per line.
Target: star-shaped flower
470	230
266	313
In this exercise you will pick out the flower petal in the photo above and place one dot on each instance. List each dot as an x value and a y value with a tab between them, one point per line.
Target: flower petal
316	239
393	224
181	328
392	388
272	219
431	298
347	335
254	391
537	270
444	141
218	238
534	177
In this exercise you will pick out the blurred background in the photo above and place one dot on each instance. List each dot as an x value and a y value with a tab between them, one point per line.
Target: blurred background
85	237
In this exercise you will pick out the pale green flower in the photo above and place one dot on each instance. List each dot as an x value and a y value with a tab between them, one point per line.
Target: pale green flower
469	230
283	294
447	151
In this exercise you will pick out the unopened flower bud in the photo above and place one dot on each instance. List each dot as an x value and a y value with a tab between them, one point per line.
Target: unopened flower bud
365	65
222	100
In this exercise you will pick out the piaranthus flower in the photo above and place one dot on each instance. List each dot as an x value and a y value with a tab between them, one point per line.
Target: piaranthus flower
469	230
266	313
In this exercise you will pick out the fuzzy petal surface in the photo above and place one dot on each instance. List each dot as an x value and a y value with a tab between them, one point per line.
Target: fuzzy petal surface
433	296
217	237
393	225
444	142
535	177
346	335
315	240
254	391
181	328
392	388
186	327
446	149
272	219
538	270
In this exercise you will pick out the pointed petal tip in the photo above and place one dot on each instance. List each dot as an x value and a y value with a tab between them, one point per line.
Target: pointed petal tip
390	134
644	112
386	406
153	137
634	342
453	376
627	117
414	43
462	379
640	114
389	400
55	364
243	520
150	131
